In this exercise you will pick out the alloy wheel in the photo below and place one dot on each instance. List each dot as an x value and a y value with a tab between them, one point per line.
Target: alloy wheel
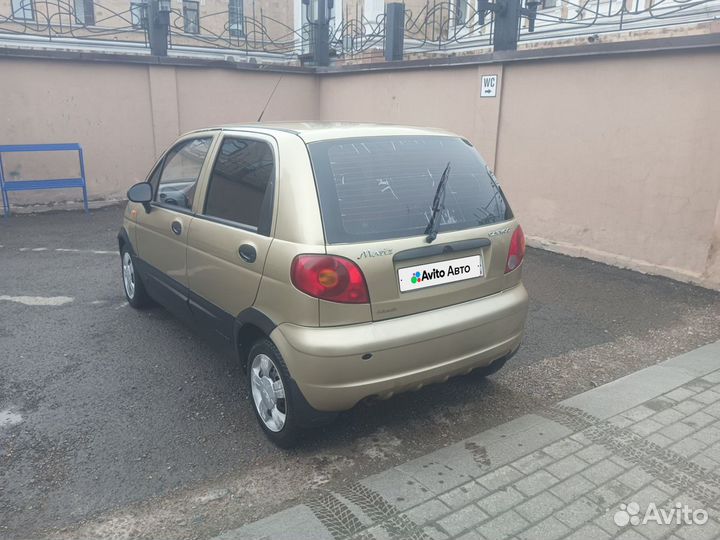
128	275
268	392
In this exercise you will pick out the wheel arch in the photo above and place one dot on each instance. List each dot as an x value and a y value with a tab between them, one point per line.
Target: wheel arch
124	240
250	325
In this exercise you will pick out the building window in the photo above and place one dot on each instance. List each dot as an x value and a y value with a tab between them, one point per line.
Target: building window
23	10
139	14
191	17
547	4
84	12
237	18
461	7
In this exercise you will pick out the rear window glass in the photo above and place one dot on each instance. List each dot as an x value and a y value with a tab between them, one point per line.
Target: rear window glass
376	188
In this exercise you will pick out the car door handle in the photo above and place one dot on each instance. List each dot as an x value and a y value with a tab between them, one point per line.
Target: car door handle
247	253
176	227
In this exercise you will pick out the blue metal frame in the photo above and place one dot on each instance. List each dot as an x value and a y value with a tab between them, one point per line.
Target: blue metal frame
50	183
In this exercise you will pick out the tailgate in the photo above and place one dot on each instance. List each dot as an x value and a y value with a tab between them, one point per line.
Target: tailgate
458	267
379	198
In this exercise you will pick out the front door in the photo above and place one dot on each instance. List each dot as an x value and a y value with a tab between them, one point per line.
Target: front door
161	234
229	238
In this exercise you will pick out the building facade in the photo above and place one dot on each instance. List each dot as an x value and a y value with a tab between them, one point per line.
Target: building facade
283	30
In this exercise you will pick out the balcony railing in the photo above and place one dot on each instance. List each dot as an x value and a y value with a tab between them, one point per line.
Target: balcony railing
249	29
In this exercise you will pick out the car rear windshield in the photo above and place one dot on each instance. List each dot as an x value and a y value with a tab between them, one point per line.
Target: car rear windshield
375	188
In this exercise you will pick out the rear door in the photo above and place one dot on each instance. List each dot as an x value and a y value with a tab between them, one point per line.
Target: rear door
229	237
376	195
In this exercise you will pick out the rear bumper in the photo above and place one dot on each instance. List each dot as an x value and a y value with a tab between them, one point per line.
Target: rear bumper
407	353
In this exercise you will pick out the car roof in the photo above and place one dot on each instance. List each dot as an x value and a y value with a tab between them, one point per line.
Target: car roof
319	131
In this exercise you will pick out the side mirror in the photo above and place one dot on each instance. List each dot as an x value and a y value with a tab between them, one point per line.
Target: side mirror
141	193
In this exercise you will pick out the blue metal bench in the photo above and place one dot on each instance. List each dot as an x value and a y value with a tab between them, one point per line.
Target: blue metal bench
52	183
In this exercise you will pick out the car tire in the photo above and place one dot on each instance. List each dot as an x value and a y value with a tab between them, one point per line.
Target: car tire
133	286
276	406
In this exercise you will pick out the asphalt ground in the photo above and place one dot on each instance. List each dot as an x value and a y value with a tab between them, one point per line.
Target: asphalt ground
124	423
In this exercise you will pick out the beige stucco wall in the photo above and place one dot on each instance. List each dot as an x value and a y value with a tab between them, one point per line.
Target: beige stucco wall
104	107
445	98
124	115
616	158
216	96
610	157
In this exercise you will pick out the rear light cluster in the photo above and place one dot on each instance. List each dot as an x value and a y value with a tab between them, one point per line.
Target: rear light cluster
329	277
517	250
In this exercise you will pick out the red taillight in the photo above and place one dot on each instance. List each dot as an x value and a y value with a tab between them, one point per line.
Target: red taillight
329	277
517	250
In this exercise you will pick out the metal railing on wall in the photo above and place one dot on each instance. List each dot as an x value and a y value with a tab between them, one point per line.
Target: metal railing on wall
248	28
59	21
249	34
569	18
448	26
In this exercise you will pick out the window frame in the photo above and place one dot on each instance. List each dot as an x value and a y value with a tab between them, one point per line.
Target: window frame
461	12
265	226
194	7
236	18
88	13
139	14
160	168
24	5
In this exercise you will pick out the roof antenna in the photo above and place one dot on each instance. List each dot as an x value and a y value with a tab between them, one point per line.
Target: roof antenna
271	96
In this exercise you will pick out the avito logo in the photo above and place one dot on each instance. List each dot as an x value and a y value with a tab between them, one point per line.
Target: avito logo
679	514
419	277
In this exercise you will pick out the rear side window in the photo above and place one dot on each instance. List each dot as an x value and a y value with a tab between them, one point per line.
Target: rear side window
241	184
377	188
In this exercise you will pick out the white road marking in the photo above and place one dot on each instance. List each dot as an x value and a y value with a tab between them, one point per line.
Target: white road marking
70	250
93	251
38	300
9	418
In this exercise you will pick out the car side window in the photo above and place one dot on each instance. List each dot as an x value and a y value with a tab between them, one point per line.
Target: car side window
181	171
154	177
241	184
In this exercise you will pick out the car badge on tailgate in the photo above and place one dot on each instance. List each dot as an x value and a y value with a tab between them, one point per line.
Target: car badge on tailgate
500	231
369	253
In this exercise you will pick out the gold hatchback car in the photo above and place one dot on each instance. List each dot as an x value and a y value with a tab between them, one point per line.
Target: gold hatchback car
340	261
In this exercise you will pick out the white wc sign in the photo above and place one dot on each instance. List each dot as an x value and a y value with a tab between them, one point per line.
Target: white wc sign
488	86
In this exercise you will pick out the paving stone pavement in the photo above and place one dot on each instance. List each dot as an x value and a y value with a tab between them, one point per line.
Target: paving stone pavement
562	472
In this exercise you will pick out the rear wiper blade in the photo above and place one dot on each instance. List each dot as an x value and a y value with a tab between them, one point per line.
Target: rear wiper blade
437	206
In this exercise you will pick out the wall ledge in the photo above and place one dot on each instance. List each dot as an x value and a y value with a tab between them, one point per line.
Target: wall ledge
147	59
659	45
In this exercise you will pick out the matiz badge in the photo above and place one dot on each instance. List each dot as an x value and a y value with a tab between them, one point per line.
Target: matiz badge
500	231
375	253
